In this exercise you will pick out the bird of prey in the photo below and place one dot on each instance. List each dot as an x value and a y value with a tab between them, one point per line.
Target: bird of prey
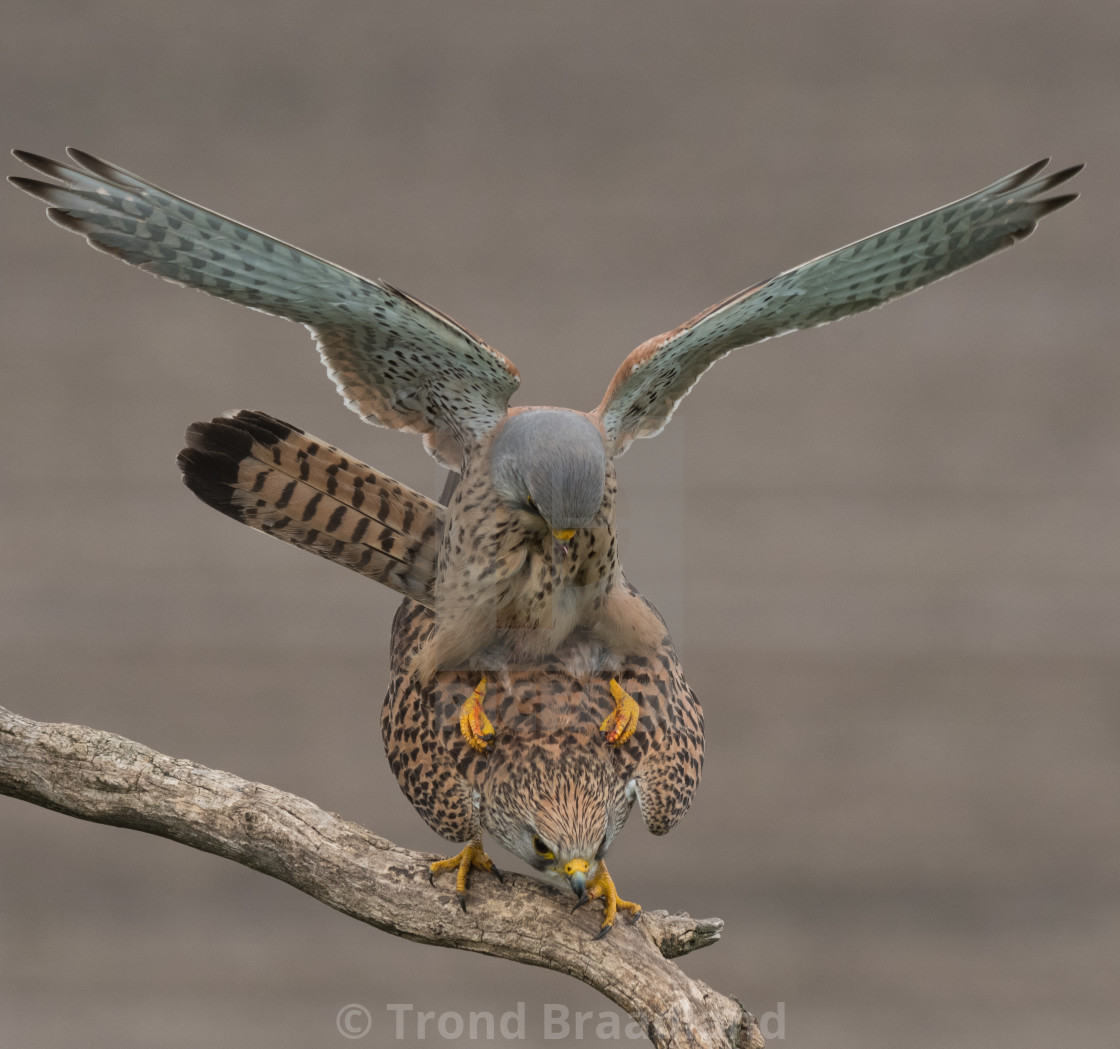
525	569
553	791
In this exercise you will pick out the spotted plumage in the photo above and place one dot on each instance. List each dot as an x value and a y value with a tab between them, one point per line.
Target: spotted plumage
549	773
549	787
518	578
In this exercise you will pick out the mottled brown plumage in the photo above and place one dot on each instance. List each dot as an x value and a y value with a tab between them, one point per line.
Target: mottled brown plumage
549	773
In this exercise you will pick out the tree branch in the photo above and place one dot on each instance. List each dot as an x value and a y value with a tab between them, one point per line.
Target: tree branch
106	778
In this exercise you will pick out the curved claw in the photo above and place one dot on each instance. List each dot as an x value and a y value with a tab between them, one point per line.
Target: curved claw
602	885
471	857
473	722
619	725
633	920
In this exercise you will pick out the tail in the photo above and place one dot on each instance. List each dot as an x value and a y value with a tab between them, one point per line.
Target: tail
274	477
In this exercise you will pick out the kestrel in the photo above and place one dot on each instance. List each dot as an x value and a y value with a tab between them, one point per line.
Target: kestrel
525	572
550	789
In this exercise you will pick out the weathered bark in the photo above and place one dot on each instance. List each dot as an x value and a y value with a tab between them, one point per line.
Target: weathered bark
106	778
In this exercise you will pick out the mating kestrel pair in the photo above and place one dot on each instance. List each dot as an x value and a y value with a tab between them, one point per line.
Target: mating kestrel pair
549	771
516	599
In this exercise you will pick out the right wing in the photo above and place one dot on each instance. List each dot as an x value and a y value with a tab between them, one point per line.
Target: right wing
651	382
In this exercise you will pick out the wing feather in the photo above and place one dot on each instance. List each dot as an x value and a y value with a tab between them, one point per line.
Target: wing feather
396	361
655	377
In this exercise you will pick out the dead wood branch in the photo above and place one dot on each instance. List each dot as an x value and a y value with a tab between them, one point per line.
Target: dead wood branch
106	778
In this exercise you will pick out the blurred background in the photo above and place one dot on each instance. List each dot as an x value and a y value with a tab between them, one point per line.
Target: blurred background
888	548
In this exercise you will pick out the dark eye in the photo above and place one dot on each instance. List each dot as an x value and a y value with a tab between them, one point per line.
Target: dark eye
531	503
543	850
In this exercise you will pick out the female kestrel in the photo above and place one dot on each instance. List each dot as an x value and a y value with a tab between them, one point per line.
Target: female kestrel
528	554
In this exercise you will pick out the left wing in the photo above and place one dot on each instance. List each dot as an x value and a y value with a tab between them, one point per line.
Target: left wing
650	383
396	361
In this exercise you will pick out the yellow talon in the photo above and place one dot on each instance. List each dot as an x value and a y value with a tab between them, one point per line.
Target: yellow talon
473	722
603	885
471	856
620	724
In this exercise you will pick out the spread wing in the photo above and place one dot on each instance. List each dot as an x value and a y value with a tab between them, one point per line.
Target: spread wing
650	383
396	361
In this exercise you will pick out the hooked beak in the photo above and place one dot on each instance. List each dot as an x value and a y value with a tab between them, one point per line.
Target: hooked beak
560	537
576	870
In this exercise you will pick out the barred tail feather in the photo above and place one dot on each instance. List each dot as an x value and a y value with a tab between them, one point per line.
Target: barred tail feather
286	483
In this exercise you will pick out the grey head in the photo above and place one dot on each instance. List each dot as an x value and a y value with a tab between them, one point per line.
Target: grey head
559	815
551	461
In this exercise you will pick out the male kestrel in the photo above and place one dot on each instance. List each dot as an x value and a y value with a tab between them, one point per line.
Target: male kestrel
529	553
526	566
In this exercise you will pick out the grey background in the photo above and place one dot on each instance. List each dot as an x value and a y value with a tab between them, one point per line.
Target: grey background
888	548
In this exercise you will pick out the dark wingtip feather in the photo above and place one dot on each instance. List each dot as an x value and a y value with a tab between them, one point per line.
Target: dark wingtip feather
37	162
73	223
1024	175
1053	203
101	168
31	185
1067	173
1049	182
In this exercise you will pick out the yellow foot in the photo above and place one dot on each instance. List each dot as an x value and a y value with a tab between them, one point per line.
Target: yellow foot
471	856
621	722
603	885
473	722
